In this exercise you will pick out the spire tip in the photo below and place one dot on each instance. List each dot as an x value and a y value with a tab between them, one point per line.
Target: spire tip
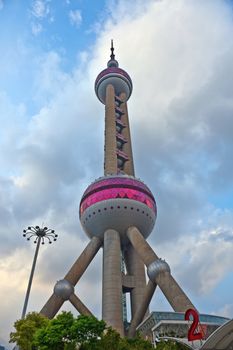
112	56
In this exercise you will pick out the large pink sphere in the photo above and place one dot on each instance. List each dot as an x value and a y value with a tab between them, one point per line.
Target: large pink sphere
117	202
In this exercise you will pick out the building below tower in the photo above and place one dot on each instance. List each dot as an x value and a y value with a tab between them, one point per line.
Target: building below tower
167	324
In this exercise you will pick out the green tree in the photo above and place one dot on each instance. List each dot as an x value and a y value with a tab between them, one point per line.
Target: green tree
170	345
57	333
26	329
66	332
112	340
138	343
87	330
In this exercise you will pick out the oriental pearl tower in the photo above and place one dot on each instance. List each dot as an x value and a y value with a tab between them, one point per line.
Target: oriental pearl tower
118	212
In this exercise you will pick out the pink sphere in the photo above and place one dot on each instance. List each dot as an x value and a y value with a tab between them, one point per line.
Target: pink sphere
117	202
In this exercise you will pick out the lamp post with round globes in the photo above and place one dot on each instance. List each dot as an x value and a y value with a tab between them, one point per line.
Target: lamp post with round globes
40	236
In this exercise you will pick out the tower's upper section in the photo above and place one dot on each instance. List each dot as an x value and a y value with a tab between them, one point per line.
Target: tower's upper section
115	76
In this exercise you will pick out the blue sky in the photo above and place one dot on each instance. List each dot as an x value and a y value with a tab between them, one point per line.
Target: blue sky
28	29
179	55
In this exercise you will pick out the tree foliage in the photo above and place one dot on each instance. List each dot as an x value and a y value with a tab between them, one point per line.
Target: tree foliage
170	345
112	340
87	329
109	340
65	332
57	334
138	343
24	336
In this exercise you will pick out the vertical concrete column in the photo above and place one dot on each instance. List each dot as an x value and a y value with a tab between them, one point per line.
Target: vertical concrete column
129	165
141	308
110	155
135	267
170	288
112	281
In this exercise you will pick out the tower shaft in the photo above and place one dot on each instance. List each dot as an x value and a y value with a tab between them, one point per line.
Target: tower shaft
116	111
118	155
110	155
129	165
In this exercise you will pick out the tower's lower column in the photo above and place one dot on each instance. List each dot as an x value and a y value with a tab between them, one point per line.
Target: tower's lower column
135	267
112	281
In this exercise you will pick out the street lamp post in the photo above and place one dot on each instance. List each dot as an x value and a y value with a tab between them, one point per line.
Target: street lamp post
40	236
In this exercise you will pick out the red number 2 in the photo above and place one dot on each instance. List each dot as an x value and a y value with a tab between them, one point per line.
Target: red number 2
192	333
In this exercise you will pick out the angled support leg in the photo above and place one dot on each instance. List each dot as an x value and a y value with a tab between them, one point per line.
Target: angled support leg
170	288
52	306
77	303
72	277
141	309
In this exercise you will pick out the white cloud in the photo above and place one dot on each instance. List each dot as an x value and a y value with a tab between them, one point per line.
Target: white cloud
40	8
75	17
226	311
206	257
36	28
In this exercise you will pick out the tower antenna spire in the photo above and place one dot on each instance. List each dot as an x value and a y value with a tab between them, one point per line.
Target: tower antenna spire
112	56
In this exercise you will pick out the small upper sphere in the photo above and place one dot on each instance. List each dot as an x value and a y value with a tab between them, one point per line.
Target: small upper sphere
64	289
117	202
156	268
115	76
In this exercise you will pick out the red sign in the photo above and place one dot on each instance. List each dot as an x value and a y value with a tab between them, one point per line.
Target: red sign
193	333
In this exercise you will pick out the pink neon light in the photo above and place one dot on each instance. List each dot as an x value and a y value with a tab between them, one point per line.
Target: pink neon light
127	193
117	181
110	70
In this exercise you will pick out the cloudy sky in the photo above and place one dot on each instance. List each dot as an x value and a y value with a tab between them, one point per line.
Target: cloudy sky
179	55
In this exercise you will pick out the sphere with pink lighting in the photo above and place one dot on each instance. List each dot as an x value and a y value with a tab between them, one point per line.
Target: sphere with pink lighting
115	76
117	202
